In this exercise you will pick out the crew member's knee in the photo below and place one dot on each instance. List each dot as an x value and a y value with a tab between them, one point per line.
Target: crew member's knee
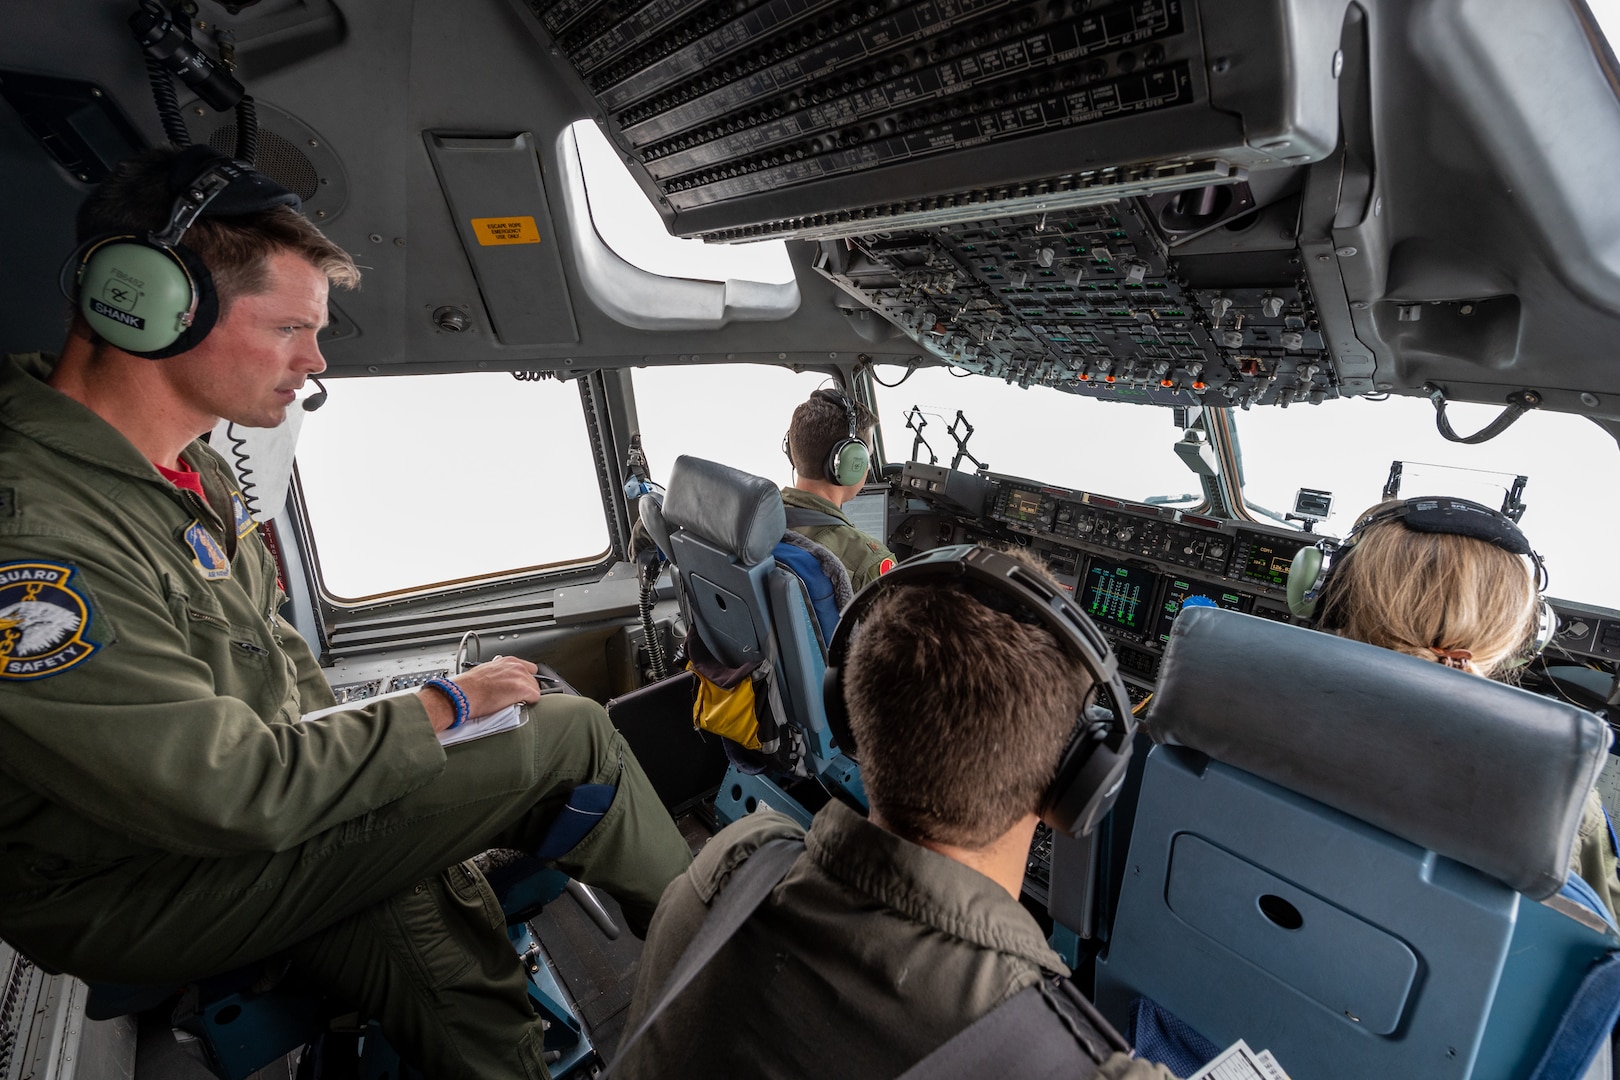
574	740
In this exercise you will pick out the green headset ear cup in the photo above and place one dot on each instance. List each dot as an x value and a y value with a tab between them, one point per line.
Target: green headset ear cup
848	463
1302	576
145	299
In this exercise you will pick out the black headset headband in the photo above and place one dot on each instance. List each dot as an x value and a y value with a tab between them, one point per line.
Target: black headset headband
1094	760
1455	517
834	395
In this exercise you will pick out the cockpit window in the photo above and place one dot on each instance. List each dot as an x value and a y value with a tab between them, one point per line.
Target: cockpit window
736	414
1607	14
418	480
629	225
1346	447
1106	447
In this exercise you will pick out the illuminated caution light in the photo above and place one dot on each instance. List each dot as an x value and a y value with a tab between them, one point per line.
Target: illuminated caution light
505	230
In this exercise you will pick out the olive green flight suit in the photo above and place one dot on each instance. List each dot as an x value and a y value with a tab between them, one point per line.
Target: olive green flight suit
1594	857
870	954
163	814
861	555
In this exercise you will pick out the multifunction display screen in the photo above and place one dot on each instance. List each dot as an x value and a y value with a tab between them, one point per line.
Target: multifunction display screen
1023	505
1267	560
1119	595
1180	590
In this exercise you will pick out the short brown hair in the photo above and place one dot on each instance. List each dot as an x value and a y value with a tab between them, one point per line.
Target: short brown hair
1419	592
817	425
136	200
960	713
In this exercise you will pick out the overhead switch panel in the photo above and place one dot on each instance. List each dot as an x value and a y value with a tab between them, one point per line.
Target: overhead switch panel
824	118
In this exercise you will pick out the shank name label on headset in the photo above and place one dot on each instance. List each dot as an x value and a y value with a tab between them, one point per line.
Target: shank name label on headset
505	230
107	311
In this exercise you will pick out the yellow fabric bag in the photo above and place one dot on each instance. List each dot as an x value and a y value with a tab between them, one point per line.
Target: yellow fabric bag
728	713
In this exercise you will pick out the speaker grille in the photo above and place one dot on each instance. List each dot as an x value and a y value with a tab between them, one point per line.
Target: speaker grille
278	159
291	153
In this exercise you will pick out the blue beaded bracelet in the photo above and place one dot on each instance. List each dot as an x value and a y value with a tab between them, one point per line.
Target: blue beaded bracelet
457	696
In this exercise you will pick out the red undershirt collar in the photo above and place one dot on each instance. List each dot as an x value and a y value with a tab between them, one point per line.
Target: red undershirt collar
185	478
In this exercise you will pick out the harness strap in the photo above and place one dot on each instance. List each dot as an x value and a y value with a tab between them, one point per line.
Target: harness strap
748	887
800	518
1048	1031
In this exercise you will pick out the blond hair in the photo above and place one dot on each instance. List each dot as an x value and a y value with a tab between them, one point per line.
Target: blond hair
1432	594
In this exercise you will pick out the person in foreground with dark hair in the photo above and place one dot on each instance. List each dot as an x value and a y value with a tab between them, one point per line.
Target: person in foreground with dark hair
890	933
165	812
827	444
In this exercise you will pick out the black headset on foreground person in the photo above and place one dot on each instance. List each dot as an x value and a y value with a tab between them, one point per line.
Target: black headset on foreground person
151	295
1092	768
848	460
1313	566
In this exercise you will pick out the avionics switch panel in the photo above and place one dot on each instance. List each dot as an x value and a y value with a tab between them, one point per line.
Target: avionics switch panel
828	118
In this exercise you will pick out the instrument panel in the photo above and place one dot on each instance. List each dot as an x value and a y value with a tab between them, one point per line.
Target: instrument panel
1131	566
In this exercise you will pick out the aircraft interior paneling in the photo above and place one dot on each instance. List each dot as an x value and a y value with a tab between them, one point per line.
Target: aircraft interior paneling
1210	206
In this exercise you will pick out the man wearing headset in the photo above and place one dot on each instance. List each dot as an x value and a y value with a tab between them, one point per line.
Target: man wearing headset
164	813
826	444
894	932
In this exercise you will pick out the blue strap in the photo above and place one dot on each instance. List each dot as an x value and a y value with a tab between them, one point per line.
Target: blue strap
1585	1025
1614	841
1161	1036
585	807
817	585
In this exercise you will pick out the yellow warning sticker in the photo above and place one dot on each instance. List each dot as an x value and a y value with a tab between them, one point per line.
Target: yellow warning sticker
505	230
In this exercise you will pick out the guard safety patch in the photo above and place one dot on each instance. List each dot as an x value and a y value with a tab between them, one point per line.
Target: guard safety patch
244	520
206	554
885	566
42	620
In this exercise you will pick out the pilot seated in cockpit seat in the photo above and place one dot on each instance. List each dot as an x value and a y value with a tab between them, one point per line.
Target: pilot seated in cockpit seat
826	444
889	934
165	815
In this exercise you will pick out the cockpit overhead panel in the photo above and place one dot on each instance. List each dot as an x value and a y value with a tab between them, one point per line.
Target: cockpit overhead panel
1090	301
827	118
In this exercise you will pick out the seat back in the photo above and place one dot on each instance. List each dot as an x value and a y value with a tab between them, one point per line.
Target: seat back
1338	852
722	526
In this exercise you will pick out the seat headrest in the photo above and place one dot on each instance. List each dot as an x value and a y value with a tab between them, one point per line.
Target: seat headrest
1489	775
738	512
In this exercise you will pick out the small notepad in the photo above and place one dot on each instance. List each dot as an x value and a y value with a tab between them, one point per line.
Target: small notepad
513	716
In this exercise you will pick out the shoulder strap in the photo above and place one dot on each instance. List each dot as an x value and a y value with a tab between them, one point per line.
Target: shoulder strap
1032	1035
800	518
1586	1023
748	887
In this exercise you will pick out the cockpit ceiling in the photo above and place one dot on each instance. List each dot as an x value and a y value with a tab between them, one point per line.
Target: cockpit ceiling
1171	201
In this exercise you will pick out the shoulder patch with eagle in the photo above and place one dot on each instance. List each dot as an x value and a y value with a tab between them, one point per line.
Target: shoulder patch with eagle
42	620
